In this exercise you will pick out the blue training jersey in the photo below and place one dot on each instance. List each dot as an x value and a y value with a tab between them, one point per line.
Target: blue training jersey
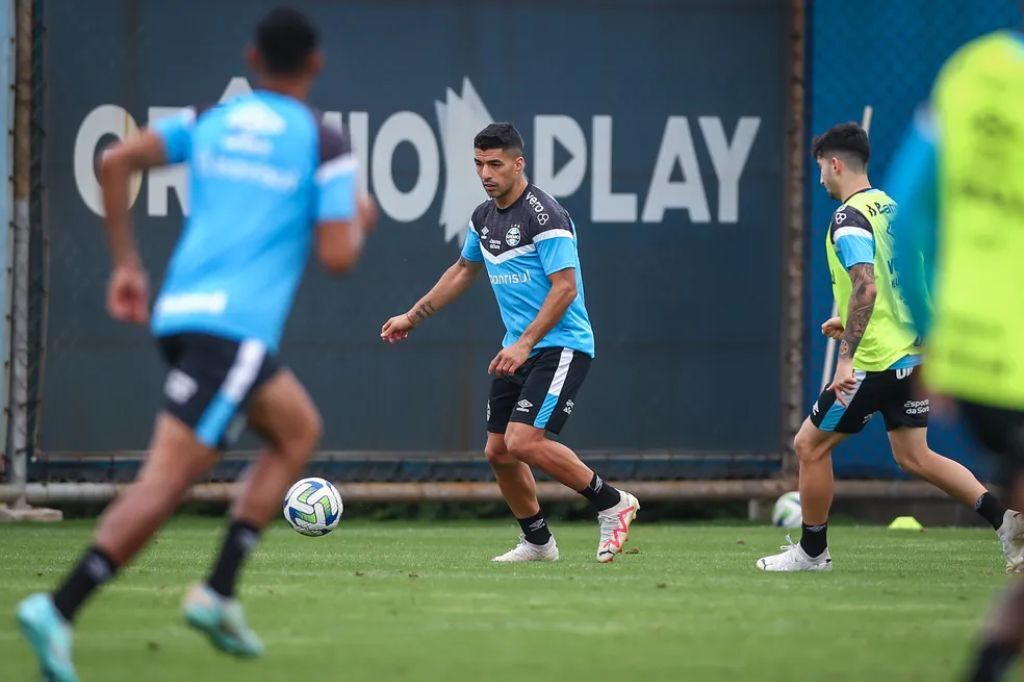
262	173
521	246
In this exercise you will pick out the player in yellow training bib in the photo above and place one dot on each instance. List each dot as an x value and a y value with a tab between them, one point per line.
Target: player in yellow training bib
878	355
960	176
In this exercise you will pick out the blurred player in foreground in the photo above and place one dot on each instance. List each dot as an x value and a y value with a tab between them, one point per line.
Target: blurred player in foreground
959	178
267	181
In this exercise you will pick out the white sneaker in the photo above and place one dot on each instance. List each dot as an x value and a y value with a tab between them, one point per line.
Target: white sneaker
1011	536
527	551
793	558
615	522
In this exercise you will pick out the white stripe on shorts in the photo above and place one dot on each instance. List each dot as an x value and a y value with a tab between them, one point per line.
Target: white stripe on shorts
243	370
558	381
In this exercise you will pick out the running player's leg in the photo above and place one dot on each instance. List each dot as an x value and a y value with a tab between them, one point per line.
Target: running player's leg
515	479
1003	636
547	399
1002	434
833	418
531	447
519	488
283	414
906	419
615	509
176	458
910	450
813	448
546	390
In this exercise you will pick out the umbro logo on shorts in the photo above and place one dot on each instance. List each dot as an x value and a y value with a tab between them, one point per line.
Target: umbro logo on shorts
568	406
524	406
180	387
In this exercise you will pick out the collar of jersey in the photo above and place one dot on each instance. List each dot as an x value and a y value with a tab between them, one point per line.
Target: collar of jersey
519	200
860	191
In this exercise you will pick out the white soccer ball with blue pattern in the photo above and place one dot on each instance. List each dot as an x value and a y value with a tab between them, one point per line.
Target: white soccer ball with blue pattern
313	507
787	512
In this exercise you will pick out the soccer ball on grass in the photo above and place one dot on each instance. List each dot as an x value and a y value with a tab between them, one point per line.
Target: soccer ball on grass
313	507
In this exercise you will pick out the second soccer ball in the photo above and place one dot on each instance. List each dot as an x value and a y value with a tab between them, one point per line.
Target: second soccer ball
787	512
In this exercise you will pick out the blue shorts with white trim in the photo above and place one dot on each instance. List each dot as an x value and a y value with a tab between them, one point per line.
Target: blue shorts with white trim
210	381
542	393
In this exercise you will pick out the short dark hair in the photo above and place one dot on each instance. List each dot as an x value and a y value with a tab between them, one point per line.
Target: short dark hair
502	136
285	38
847	139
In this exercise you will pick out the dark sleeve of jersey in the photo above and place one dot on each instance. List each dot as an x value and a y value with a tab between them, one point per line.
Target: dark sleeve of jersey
550	218
478	216
848	216
332	144
336	177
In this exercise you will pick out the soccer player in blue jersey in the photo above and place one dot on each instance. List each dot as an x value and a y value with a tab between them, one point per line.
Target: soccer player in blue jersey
527	242
267	183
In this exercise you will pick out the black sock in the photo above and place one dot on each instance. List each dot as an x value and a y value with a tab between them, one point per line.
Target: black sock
95	568
990	509
814	539
992	662
239	541
535	529
600	494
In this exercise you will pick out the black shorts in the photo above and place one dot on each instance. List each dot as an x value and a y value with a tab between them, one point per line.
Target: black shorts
1000	431
210	381
891	392
541	393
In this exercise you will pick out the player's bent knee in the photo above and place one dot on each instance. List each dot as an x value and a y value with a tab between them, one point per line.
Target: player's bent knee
300	440
307	436
909	461
807	450
314	428
523	443
498	455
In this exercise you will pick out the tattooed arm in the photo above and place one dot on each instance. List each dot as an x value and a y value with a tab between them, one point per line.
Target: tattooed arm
862	303
455	281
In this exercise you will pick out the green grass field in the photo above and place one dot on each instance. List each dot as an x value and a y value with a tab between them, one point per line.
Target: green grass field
419	601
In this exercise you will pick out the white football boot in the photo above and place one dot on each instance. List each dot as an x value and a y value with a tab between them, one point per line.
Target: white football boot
793	558
527	551
615	522
1011	536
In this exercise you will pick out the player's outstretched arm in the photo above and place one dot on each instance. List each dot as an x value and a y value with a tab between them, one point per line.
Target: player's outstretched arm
862	304
339	243
455	281
128	290
563	293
